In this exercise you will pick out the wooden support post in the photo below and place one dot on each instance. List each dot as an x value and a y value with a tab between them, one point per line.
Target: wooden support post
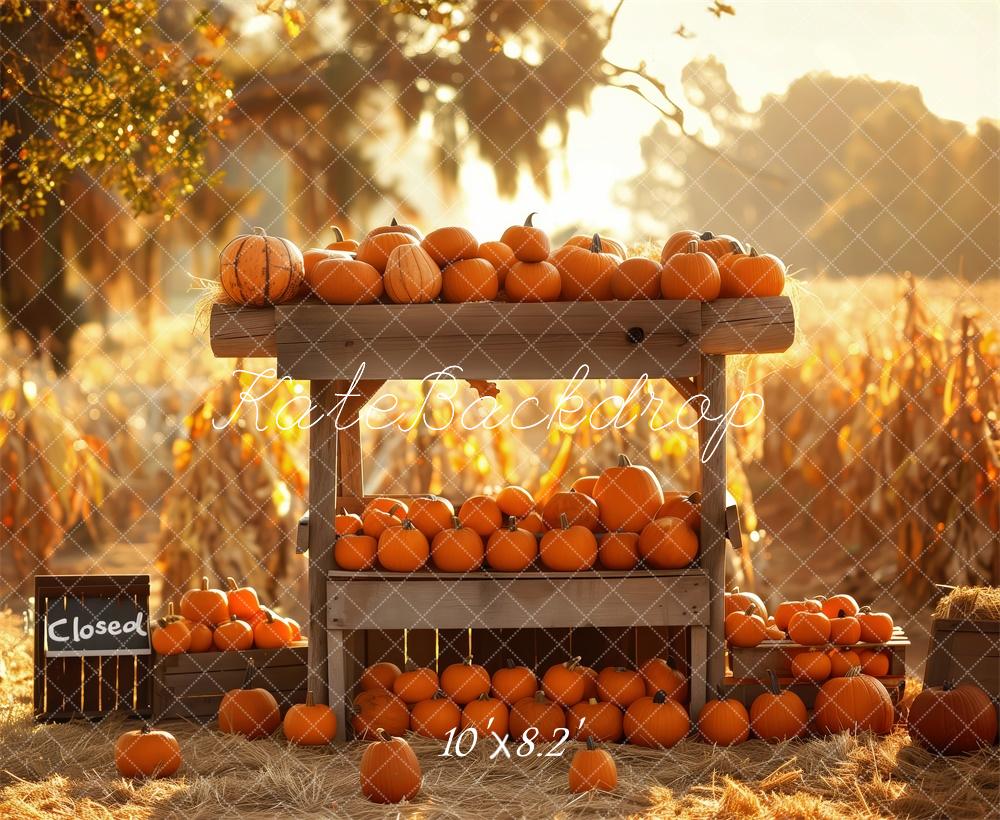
712	454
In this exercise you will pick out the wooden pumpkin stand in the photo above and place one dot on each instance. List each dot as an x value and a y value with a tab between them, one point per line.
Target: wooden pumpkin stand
537	618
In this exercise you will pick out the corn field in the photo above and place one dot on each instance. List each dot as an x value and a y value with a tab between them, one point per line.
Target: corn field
882	417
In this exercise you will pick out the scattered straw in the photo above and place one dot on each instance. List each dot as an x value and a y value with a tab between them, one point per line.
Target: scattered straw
68	771
970	603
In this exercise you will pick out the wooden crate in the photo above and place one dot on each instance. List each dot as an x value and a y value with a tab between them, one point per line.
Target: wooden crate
746	690
191	685
754	663
964	652
94	686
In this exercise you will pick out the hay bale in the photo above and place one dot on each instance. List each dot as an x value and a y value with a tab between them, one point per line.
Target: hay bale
970	604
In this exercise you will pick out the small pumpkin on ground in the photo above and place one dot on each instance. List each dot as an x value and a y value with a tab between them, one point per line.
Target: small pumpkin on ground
777	715
379	710
627	495
464	682
172	634
620	686
692	274
571	548
435	717
487	715
724	721
451	244
147	752
345	282
403	548
376	248
513	683
854	703
529	244
595	719
953	719
355	552
511	549
252	713
656	722
537	712
257	269
457	549
592	769
636	278
205	605
565	683
310	723
533	282
390	771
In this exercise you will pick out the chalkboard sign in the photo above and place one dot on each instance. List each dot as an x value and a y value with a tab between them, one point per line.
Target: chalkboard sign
95	626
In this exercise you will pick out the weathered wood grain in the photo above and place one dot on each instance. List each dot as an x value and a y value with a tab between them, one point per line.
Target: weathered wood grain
237	331
748	325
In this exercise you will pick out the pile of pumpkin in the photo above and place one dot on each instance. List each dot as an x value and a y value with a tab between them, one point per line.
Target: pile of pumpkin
223	620
397	263
615	520
827	626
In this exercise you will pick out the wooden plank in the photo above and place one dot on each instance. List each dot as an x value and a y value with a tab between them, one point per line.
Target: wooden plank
91	695
552	645
488	648
747	691
712	455
488	339
604	646
109	683
453	646
699	638
776	656
747	325
517	645
236	331
195	662
421	644
366	602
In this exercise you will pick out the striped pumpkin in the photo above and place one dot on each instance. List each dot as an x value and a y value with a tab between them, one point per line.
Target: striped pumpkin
257	269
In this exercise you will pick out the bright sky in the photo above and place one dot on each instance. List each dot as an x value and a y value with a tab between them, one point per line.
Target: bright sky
948	48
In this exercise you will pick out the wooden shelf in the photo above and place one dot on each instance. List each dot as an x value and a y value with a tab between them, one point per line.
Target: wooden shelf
502	340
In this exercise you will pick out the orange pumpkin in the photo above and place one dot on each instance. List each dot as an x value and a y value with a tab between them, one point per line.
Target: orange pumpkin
571	548
586	241
233	635
756	275
585	484
661	676
380	514
845	631
587	273
627	496
874	663
578	508
876	627
252	713
953	719
592	769
147	752
620	686
481	513
656	722
730	287
257	269
684	507
724	721
837	606
511	549
737	601
487	715
533	282
715	245
376	248
345	282
411	276
618	550
593	719
745	629
677	243
464	682
515	501
340	243
457	549
416	684
376	710
403	548
811	665
777	715
272	633
529	244
390	771
843	661
500	256
431	514
355	552
533	523
347	523
446	245
513	683
310	723
205	605
668	543
692	274
854	703
172	634
202	638
395	227
809	628
783	614
379	676
565	683
469	280
539	713
435	717
636	278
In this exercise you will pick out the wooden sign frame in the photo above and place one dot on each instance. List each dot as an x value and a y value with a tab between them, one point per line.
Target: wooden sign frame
90	686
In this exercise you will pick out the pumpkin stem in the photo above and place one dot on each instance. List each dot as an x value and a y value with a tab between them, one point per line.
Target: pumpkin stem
591	746
231	583
773	682
145	729
407	524
736	246
392	510
705	237
510	663
623	460
338	234
564	521
259	231
310	700
380	732
511	523
393	223
865	610
204	583
660	697
736	591
853	672
947	686
750	610
456	523
593	701
539	696
595	244
692	247
527	221
573	662
753	252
